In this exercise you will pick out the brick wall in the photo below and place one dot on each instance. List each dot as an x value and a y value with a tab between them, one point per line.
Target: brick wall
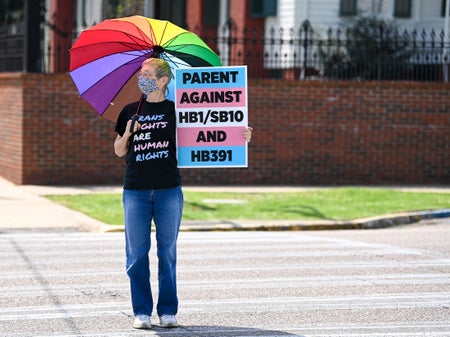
11	131
350	132
306	133
59	139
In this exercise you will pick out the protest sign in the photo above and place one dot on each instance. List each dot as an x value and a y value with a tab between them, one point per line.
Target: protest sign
212	113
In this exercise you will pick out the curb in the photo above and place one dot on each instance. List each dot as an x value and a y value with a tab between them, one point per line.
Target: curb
292	225
405	219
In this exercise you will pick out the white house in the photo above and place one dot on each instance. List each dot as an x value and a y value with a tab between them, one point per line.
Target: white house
418	14
322	14
421	15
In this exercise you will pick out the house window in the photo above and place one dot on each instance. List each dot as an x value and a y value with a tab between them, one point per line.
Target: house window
263	8
402	8
211	12
347	7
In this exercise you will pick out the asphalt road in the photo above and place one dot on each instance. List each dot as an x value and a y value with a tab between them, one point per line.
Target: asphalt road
385	282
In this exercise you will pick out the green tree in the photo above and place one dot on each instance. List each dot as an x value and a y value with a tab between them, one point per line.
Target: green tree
11	11
120	8
368	49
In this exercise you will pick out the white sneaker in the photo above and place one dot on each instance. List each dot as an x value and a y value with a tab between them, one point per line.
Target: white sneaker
142	322
168	321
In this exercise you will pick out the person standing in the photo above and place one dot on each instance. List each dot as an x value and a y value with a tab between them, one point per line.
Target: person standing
152	191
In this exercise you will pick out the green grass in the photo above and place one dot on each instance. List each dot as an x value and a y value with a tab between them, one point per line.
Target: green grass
321	204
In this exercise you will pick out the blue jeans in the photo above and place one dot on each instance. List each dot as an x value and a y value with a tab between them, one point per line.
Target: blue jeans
165	208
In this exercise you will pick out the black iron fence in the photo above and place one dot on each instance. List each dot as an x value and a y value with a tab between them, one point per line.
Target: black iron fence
364	52
12	47
368	52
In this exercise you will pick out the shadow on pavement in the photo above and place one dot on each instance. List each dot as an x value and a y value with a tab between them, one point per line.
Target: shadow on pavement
218	331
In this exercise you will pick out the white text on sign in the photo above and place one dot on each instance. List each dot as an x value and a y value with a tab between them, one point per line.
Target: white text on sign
210	116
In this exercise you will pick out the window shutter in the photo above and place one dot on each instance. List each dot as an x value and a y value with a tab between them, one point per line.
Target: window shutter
347	7
443	5
263	8
402	8
211	12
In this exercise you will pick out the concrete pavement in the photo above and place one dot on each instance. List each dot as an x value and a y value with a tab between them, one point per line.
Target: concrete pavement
383	283
24	207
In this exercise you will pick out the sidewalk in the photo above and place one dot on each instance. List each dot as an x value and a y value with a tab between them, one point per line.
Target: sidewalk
25	208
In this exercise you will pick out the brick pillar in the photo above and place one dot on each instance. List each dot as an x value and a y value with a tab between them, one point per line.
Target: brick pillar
238	17
195	23
60	37
238	12
247	30
194	14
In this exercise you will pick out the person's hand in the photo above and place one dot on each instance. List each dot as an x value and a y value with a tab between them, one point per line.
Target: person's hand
121	143
136	127
247	134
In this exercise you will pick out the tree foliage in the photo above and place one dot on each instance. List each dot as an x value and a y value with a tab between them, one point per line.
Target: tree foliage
367	48
11	11
120	8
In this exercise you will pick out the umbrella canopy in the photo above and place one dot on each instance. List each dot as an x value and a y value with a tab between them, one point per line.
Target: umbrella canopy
105	58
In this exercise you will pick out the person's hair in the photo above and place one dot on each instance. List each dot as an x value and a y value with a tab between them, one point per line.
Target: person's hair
161	67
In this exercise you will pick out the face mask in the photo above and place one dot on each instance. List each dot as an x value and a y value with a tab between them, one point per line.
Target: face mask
147	85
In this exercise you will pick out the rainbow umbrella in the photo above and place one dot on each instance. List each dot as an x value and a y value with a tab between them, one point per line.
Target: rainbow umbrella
106	57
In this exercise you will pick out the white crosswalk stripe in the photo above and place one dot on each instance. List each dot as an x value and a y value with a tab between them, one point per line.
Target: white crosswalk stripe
230	284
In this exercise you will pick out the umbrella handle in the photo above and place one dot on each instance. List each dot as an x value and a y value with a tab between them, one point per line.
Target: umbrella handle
133	121
135	116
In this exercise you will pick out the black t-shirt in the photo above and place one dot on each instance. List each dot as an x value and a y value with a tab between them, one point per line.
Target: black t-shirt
151	158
